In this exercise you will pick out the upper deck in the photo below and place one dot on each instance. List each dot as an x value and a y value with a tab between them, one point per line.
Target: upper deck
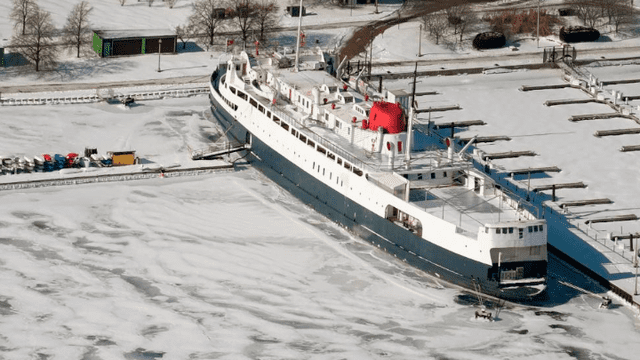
312	103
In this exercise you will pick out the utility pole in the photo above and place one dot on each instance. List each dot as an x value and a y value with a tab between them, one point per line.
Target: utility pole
538	27
635	258
159	52
298	39
420	41
370	54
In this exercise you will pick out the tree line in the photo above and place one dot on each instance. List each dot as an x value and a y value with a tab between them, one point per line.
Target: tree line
598	12
460	19
34	31
210	17
37	39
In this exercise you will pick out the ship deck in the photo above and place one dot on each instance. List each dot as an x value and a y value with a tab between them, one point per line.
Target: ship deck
461	206
464	207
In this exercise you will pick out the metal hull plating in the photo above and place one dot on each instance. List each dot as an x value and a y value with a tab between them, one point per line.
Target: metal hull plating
404	244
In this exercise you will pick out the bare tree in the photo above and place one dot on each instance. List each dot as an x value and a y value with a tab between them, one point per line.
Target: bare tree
150	2
469	19
453	16
37	42
588	11
266	16
171	3
436	24
184	33
206	18
244	13
122	2
21	11
461	17
76	31
620	13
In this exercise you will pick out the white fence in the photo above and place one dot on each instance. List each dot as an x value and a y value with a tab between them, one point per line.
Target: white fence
137	96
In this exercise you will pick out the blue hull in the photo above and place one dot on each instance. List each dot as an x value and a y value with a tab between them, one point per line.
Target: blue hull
394	239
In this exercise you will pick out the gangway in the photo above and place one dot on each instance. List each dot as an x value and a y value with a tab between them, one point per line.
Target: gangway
217	150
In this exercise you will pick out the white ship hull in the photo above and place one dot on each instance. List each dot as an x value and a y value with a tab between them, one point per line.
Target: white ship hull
354	201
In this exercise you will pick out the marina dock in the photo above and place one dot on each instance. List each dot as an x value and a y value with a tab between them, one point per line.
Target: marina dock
77	176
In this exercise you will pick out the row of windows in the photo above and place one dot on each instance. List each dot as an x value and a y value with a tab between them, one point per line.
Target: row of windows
294	132
504	230
338	181
420	176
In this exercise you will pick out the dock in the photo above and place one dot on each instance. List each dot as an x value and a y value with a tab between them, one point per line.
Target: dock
543	87
438	108
573	185
583	117
508	154
616	132
77	176
625	217
427	93
464	123
618	82
487	139
569	101
534	170
627	148
602	201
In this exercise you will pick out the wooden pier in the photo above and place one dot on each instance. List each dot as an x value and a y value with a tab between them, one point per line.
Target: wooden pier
574	185
601	201
616	132
508	154
543	87
534	170
465	123
627	217
618	82
627	148
438	108
569	101
595	116
487	139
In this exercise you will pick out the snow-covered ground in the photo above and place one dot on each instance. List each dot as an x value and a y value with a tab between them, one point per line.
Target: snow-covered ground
195	60
230	266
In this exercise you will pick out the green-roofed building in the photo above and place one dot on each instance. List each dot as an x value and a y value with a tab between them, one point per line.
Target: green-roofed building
108	43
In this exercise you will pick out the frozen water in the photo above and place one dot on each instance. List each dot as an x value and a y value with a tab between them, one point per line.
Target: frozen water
231	267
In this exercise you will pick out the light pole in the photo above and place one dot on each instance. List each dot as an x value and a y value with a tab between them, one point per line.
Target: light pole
538	26
420	41
159	52
635	258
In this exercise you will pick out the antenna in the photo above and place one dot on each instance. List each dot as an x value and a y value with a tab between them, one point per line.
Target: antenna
410	122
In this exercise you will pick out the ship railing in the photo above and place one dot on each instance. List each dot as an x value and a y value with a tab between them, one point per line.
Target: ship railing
330	146
588	232
354	160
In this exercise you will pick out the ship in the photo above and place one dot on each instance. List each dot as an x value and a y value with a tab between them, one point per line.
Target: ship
360	158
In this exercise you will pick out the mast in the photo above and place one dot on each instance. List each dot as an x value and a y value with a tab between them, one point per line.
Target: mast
410	122
298	41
